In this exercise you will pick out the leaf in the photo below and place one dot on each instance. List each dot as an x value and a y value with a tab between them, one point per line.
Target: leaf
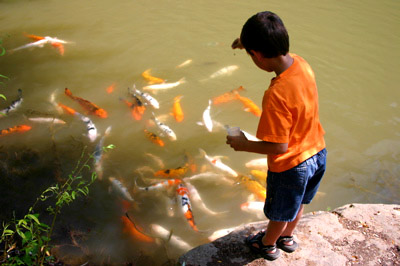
73	195
4	97
2	76
3	51
34	217
21	234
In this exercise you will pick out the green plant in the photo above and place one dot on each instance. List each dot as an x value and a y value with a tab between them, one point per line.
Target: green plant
2	52
26	240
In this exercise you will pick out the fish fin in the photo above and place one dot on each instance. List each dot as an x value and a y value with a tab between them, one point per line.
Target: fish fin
68	92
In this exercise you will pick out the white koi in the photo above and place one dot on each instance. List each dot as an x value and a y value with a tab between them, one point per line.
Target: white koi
255	207
98	154
211	176
165	129
90	127
196	198
217	163
46	120
208	123
261	163
120	189
163	86
225	71
187	62
14	104
156	159
168	236
220	233
147	97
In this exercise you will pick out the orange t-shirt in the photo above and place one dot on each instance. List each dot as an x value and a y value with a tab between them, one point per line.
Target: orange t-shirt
290	115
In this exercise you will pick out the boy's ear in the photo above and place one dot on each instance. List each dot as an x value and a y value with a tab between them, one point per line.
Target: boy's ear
257	54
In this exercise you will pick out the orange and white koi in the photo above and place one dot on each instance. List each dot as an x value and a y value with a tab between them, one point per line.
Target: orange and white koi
173	172
130	228
147	97
87	105
154	138
137	108
253	186
151	79
160	185
41	41
119	189
249	105
165	129
15	129
185	63
166	235
183	196
208	123
227	96
163	86
217	163
14	104
260	163
177	111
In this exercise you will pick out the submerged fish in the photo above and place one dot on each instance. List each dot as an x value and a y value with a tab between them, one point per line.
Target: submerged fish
169	237
183	196
220	233
147	97
90	126
173	172
130	228
196	198
164	86
165	129
14	104
154	138
177	111
120	189
227	96
256	207
225	71
261	176
217	163
41	41
161	185
260	163
249	105
110	88
98	154
87	105
185	63
151	79
254	187
67	109
208	123
46	120
210	176
15	129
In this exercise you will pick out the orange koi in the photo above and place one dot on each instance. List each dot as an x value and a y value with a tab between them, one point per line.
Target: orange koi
254	187
249	105
151	79
183	195
227	96
110	88
164	184
174	172
15	129
87	105
130	228
154	138
177	111
67	109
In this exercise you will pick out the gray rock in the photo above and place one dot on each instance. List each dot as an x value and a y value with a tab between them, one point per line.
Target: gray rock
359	234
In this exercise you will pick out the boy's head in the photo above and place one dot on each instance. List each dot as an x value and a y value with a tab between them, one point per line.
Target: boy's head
264	32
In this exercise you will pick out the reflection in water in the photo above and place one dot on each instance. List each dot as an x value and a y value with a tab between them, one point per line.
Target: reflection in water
187	46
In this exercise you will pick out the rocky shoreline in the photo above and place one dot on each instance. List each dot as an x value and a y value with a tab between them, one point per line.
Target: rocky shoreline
354	234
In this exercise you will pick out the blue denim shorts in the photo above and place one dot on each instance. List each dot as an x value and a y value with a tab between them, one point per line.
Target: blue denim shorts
286	191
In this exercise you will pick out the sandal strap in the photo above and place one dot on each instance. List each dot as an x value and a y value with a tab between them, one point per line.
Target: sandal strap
285	239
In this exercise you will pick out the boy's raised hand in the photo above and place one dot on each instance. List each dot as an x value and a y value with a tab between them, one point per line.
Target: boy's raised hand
238	143
237	44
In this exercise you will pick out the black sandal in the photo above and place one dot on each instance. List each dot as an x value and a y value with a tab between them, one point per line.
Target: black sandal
263	250
287	248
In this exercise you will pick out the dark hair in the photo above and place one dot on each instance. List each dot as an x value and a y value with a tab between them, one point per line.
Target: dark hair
264	32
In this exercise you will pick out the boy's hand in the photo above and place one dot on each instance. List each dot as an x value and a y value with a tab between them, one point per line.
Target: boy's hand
238	143
237	44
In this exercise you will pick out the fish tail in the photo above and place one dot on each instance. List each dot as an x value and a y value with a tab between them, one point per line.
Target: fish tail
182	80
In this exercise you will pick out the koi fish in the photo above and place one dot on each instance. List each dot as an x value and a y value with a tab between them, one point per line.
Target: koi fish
90	126
147	97
254	187
185	63
207	117
41	41
154	138
98	154
46	120
163	86
220	233
249	105
260	163
156	159
250	136
137	109
120	189
168	236
67	109
14	104
15	129
211	176
151	79
110	88
160	185
165	129
225	71
196	198
261	176
227	96
87	105
183	196
130	228
177	109
173	172
255	207
217	163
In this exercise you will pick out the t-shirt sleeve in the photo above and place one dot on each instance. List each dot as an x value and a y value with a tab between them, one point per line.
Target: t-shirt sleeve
275	121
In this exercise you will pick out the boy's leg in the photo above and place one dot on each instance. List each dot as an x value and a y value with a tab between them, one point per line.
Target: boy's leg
292	225
273	232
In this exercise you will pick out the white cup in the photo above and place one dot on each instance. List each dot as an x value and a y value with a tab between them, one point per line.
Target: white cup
234	131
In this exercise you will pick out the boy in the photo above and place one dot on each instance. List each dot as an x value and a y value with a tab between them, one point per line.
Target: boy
290	130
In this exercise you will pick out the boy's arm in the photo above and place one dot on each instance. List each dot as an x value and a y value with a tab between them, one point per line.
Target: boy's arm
241	143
